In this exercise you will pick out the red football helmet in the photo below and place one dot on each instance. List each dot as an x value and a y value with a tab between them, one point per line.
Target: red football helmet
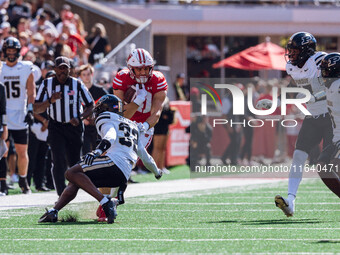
140	58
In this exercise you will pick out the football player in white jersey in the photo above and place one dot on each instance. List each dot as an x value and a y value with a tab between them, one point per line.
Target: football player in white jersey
110	164
18	79
303	65
330	72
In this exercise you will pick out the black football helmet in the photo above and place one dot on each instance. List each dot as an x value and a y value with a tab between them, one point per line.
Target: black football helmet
11	43
305	43
330	68
110	103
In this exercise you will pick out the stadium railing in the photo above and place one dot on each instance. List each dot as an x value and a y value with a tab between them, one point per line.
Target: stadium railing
139	38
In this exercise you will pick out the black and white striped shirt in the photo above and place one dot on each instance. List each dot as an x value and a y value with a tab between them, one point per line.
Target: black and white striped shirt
74	94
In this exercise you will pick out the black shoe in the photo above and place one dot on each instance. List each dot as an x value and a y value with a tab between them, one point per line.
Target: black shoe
50	186
110	209
5	191
51	216
23	184
3	187
43	189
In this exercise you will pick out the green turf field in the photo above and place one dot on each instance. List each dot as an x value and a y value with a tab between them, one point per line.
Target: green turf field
229	220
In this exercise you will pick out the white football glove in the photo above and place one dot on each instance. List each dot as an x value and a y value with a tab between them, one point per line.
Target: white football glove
143	127
140	95
301	95
264	103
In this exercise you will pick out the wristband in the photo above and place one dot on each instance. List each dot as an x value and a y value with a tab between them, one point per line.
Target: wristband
104	145
30	107
98	152
4	120
146	126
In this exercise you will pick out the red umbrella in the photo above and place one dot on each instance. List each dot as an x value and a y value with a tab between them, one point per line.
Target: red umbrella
266	55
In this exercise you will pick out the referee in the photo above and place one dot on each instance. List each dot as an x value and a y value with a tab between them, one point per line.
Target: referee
63	97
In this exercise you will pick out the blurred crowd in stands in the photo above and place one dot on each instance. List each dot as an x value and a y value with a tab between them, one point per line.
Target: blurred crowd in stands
45	35
224	2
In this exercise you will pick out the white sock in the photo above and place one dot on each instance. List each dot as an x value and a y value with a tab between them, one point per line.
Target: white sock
23	176
291	197
104	200
296	171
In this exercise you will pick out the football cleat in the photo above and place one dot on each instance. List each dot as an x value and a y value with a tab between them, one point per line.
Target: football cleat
49	216
110	209
284	205
101	214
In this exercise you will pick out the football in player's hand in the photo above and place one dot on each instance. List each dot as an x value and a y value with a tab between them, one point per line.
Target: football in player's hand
130	94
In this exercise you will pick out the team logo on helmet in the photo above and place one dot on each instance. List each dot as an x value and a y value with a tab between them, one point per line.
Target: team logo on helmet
305	43
306	39
333	60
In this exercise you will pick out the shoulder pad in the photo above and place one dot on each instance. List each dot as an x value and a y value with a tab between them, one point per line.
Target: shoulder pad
318	57
26	63
102	117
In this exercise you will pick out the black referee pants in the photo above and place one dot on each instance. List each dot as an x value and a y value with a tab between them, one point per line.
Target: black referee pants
65	141
37	151
90	139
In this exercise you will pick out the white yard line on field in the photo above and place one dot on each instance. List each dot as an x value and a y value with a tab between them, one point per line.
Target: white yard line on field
169	228
157	253
236	203
167	240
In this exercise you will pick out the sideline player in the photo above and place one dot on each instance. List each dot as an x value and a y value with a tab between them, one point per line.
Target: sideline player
146	108
110	164
18	79
303	65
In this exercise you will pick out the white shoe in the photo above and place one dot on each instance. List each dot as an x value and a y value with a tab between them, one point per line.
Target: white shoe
286	206
2	194
115	203
165	171
15	178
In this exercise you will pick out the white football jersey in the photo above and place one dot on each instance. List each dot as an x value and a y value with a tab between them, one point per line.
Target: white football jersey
307	77
126	145
333	104
15	78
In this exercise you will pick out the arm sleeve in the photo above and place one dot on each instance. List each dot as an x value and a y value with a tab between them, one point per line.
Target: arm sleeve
147	159
108	132
105	128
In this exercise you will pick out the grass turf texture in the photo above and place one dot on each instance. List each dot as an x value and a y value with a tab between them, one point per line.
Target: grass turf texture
177	172
229	220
